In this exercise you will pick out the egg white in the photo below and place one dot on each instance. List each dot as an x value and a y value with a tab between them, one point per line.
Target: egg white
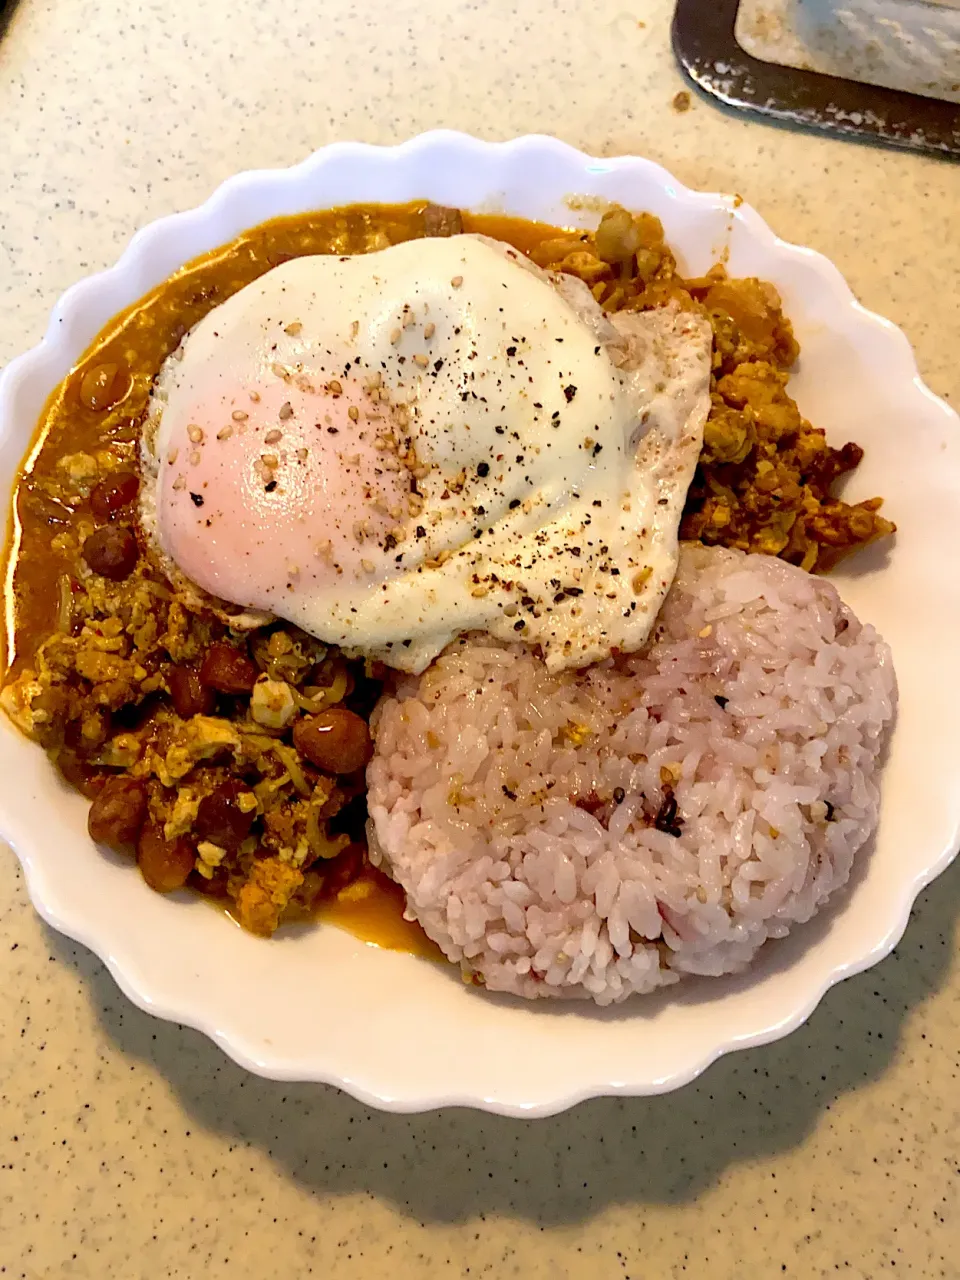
550	448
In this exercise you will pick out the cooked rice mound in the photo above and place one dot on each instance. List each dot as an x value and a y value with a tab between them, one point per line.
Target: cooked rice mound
610	831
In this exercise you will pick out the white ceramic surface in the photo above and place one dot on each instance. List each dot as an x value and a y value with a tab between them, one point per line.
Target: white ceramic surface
405	1034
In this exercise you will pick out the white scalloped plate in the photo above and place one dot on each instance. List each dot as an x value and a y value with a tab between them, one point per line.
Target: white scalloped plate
405	1034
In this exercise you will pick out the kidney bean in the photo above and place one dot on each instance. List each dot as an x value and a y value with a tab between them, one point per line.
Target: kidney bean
221	820
228	670
164	864
191	697
103	386
118	813
111	552
336	740
113	494
80	775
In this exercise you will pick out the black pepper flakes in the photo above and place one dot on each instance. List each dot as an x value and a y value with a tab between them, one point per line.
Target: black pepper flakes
483	469
197	499
570	392
269	486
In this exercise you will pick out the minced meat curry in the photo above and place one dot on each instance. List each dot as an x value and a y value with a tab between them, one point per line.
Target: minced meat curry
236	765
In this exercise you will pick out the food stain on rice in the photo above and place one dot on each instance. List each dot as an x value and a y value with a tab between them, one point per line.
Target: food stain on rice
682	822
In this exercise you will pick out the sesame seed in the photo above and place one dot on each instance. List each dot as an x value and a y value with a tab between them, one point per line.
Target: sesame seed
172	456
457	281
195	433
354	328
479	592
366	566
255	397
280	371
353	413
334	387
429	330
302	455
422	361
180	482
194	458
394	337
238	415
293	328
286	411
273	437
270	460
225	433
324	547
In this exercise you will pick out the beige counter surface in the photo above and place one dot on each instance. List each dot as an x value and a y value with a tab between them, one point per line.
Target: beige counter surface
131	1148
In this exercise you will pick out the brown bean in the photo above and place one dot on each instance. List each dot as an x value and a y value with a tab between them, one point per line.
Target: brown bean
164	864
111	552
103	386
221	820
228	670
336	740
118	813
113	494
82	776
191	697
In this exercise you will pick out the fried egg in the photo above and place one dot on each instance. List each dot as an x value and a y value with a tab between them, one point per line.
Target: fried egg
392	449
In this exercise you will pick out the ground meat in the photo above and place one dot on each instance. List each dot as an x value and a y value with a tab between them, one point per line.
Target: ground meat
265	895
764	476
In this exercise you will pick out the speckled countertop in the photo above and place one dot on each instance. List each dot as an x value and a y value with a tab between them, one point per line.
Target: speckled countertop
131	1148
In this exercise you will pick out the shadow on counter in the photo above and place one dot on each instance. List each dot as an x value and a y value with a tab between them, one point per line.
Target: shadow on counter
456	1165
